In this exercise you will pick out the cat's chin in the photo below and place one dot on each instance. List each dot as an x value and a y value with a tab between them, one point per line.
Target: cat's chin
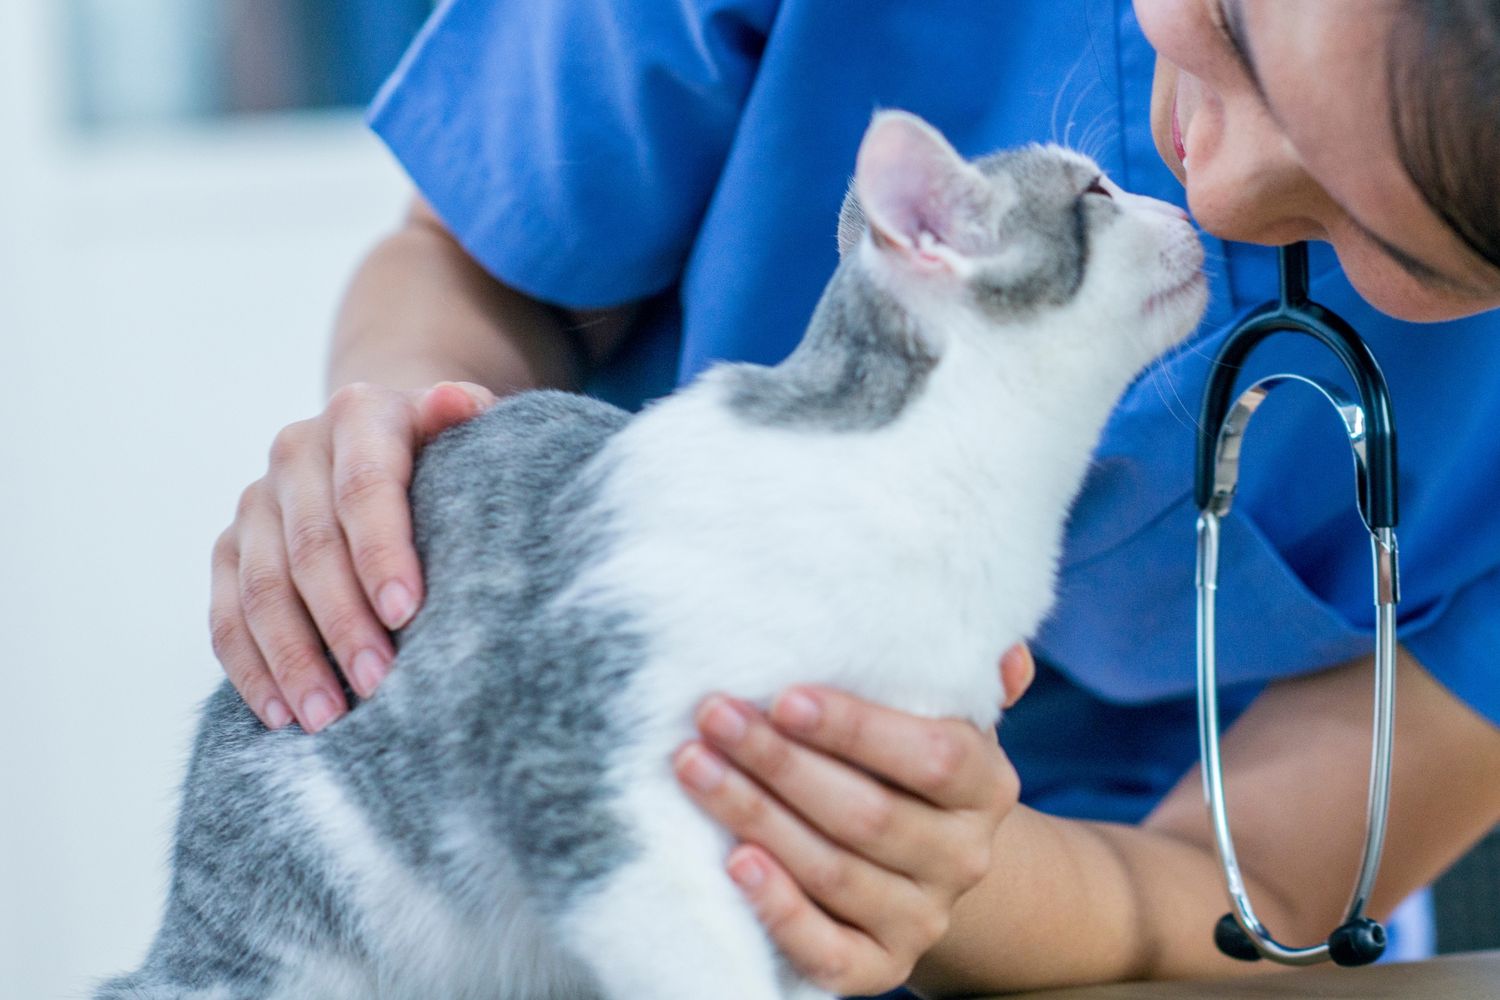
1191	293
1173	313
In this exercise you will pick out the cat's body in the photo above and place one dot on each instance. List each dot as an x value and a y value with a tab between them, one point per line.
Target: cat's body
880	513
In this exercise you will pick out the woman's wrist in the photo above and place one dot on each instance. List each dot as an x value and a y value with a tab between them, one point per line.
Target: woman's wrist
1070	902
1008	931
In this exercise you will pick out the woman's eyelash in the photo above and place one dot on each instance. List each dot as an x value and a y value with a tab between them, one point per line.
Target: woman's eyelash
1228	25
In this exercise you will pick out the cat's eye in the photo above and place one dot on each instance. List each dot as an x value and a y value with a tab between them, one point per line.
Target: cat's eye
1097	187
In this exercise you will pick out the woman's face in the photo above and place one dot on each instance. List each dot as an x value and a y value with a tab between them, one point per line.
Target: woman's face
1275	114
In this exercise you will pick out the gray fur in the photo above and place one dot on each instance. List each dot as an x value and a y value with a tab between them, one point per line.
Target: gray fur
860	363
1049	222
502	526
863	360
851	222
237	863
482	712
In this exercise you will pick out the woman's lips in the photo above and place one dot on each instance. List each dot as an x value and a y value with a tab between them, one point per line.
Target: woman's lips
1177	145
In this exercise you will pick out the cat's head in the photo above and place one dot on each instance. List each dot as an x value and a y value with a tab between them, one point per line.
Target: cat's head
1031	243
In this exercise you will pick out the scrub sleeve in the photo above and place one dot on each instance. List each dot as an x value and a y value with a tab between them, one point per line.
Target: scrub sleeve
572	147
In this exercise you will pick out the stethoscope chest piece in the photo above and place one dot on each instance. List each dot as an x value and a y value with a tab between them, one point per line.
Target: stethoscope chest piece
1367	421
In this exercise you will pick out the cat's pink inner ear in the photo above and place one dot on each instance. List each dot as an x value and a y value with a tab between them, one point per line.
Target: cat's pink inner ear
914	187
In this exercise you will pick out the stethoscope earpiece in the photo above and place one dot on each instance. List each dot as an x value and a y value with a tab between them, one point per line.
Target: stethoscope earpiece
1357	942
1372	438
1232	941
1354	942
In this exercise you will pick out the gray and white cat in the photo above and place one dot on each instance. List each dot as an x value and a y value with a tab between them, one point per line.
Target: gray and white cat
881	512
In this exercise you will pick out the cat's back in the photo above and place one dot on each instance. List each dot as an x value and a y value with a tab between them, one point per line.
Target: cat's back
502	482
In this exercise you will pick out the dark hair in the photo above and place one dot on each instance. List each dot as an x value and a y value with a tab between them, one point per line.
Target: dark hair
1444	77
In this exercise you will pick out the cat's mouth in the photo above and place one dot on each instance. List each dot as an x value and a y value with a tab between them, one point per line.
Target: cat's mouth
1169	296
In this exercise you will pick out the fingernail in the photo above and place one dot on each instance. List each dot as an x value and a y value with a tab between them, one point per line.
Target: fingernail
318	711
278	716
796	710
396	604
699	769
723	720
1018	657
469	392
369	669
747	871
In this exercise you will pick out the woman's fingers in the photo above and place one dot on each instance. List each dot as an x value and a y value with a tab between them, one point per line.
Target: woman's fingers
848	888
320	554
878	819
323	574
947	762
234	645
449	403
374	446
277	619
1017	671
834	955
895	831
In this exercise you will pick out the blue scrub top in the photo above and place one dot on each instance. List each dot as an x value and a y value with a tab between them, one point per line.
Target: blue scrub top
693	155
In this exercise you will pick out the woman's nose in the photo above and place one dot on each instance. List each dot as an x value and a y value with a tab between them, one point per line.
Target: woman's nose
1252	184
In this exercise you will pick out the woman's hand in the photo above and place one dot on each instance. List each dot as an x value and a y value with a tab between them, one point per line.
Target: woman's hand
860	825
320	554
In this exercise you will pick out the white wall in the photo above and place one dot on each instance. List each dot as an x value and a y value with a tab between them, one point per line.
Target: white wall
164	308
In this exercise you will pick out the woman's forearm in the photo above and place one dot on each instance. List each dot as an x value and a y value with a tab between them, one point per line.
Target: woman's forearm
1070	902
419	310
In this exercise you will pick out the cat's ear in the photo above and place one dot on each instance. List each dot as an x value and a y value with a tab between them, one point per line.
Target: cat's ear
851	221
920	199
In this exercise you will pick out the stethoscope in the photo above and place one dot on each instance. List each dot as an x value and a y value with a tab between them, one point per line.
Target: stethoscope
1359	940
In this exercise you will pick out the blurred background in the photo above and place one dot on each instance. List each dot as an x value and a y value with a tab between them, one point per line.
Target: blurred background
185	186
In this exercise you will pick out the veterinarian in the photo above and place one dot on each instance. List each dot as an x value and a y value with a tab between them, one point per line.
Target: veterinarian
614	194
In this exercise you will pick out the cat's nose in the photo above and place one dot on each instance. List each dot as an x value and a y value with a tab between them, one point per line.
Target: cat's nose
1160	207
1169	209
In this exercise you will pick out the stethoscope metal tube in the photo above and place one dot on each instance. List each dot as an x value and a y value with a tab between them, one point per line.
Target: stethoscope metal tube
1371	432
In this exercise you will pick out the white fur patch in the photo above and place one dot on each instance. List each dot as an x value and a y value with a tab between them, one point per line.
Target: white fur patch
423	946
670	925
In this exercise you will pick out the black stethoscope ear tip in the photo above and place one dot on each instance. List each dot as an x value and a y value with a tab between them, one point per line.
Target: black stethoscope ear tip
1230	939
1357	942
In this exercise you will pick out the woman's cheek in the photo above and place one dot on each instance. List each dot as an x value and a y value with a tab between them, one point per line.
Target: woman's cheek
1383	284
1173	27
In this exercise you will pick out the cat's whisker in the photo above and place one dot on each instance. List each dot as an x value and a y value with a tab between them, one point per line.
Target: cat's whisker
1159	372
1062	90
1073	114
1190	347
1099	133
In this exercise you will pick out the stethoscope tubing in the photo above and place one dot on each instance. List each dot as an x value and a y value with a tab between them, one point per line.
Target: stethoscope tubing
1378	800
1371	432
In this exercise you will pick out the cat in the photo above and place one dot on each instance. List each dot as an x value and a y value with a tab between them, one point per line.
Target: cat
881	512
